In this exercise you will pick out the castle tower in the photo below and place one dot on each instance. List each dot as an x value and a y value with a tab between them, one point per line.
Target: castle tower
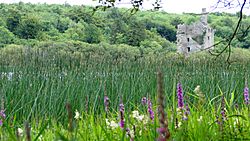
195	37
204	15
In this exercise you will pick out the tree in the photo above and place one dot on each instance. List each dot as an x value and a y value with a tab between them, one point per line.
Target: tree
92	34
176	21
150	47
231	4
29	27
63	24
220	3
13	19
135	33
243	35
164	30
54	34
6	37
76	32
116	27
2	22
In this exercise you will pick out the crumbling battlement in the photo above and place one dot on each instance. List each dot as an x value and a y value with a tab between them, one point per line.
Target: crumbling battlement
195	37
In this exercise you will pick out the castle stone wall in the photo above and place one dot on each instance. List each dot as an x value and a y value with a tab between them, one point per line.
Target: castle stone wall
195	37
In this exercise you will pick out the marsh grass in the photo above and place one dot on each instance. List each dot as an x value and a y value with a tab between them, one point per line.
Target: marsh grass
37	89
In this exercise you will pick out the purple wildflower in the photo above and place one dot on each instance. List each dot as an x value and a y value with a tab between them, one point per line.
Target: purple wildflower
223	113
187	112
184	118
162	131
223	110
150	110
180	96
128	131
121	109
246	95
129	134
161	138
217	120
144	101
122	123
106	103
2	114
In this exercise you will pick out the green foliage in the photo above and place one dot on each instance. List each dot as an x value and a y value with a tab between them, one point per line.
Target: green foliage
76	32
135	33
164	30
13	20
243	35
38	81
54	34
176	21
152	36
191	20
29	27
148	47
116	29
92	34
61	23
2	22
6	37
81	13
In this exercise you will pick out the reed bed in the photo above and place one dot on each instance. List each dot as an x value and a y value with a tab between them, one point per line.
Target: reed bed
35	90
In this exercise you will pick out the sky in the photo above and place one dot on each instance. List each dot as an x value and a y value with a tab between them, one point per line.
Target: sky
171	6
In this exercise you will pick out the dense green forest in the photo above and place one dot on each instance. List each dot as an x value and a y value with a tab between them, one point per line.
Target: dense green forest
116	32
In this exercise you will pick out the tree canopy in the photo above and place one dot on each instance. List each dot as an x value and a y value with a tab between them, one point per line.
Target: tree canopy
149	31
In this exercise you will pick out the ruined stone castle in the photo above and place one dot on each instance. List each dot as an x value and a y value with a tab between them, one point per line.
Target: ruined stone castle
195	37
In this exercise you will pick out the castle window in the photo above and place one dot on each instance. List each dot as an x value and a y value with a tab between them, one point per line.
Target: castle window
188	39
188	49
208	37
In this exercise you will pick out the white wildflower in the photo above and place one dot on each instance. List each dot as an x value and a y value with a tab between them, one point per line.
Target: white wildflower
135	114
140	118
40	138
199	119
197	89
77	115
179	111
236	121
107	122
20	131
132	134
113	124
178	126
145	120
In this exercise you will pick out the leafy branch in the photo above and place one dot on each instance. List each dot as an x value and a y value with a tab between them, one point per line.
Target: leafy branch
227	3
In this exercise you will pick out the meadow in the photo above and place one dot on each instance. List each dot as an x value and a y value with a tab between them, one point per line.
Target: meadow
57	96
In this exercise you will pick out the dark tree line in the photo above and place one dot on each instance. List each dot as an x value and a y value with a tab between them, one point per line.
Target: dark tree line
154	31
